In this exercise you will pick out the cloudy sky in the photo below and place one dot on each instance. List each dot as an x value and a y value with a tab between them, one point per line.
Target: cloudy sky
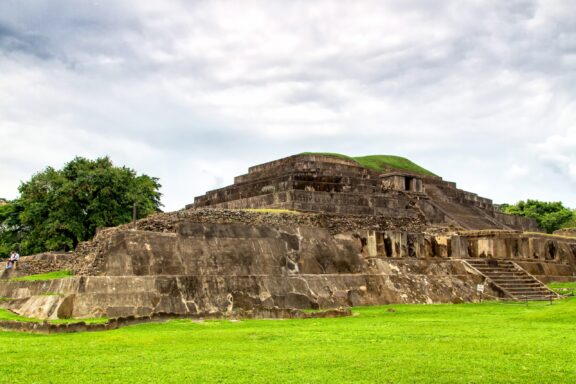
482	93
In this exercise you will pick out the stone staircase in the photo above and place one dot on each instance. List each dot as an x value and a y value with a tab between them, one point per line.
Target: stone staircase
515	282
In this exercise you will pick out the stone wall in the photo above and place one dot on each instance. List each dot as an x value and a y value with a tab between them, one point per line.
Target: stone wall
88	253
520	247
188	267
334	223
232	249
520	223
418	281
240	249
569	232
517	246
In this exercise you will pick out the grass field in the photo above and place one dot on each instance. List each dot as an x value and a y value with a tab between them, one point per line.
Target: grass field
564	288
45	276
464	343
570	284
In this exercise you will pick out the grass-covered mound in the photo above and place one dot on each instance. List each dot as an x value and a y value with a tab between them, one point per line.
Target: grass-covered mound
465	343
380	162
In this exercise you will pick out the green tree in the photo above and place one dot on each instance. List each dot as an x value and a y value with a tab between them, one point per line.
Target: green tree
10	227
550	216
572	222
57	209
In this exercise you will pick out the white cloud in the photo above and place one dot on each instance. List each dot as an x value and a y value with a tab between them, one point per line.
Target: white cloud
559	153
483	93
518	171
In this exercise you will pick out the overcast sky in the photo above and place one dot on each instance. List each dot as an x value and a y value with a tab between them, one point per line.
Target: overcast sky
482	93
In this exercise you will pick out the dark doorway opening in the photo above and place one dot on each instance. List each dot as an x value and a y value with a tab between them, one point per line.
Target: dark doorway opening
408	183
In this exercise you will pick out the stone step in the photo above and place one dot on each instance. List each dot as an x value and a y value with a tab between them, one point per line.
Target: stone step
509	276
526	290
517	285
483	268
505	276
485	261
519	280
533	287
506	266
513	280
499	270
521	283
524	283
485	264
494	270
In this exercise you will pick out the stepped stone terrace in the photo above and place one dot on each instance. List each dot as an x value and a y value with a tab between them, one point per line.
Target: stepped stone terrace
321	183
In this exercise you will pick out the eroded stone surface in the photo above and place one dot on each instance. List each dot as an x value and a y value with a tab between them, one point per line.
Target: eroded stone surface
570	232
221	268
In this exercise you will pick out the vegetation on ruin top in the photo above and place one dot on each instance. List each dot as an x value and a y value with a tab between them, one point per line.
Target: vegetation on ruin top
379	162
45	276
271	210
464	343
550	216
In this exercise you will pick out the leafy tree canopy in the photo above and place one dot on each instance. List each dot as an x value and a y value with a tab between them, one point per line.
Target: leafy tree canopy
57	209
550	216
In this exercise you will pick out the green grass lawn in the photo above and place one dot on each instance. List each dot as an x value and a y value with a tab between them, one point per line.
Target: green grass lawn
563	288
8	315
566	284
45	276
464	343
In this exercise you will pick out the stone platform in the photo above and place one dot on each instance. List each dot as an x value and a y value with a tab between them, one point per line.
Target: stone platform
220	268
316	183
